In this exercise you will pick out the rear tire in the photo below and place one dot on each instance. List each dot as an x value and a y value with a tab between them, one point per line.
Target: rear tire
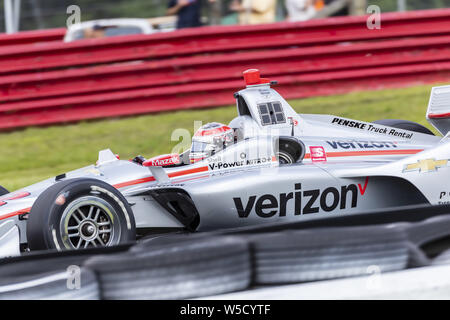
404	124
3	191
285	157
290	150
80	213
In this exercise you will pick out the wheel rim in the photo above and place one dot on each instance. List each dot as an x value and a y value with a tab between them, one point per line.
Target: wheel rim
89	222
284	158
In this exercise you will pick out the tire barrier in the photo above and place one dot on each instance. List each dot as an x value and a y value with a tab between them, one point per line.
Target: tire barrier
256	261
179	271
312	255
51	286
412	284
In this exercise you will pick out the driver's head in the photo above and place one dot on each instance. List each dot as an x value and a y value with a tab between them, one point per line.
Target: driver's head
96	32
210	139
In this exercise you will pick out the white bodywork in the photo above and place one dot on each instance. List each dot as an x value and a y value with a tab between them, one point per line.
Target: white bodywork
347	166
74	30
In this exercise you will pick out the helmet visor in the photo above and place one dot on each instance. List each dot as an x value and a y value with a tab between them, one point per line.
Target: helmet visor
198	146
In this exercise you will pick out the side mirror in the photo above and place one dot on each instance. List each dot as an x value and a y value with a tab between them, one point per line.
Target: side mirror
163	160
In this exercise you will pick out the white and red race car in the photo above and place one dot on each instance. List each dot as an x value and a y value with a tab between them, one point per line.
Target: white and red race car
269	164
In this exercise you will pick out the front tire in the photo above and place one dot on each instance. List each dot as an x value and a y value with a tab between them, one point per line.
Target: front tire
80	213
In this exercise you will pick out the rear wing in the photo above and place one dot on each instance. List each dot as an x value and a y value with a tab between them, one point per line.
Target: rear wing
438	113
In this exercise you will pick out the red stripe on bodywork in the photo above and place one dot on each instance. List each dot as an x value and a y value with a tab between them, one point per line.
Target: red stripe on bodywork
133	182
13	196
204	169
15	213
438	115
122	185
149	179
369	153
189	171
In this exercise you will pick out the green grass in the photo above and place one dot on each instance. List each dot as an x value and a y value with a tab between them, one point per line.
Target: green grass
33	154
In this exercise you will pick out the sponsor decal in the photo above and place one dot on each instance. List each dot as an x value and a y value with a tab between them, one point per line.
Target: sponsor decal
318	154
14	196
444	197
212	159
362	144
372	128
240	163
163	160
349	123
167	185
362	189
305	201
264	92
426	165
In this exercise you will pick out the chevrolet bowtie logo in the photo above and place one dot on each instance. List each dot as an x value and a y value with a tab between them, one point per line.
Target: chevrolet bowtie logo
426	165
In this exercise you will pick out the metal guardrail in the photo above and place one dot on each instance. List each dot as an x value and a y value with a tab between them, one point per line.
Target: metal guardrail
58	82
32	37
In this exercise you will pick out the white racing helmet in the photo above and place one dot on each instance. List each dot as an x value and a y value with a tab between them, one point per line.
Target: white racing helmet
210	139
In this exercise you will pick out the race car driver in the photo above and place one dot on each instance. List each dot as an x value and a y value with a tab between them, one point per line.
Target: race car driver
207	141
210	139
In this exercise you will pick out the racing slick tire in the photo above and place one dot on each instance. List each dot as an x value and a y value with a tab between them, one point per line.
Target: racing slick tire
404	124
183	270
80	213
3	191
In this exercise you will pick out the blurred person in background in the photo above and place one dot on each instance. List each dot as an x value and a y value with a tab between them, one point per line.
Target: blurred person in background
319	4
96	32
188	12
254	11
302	10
